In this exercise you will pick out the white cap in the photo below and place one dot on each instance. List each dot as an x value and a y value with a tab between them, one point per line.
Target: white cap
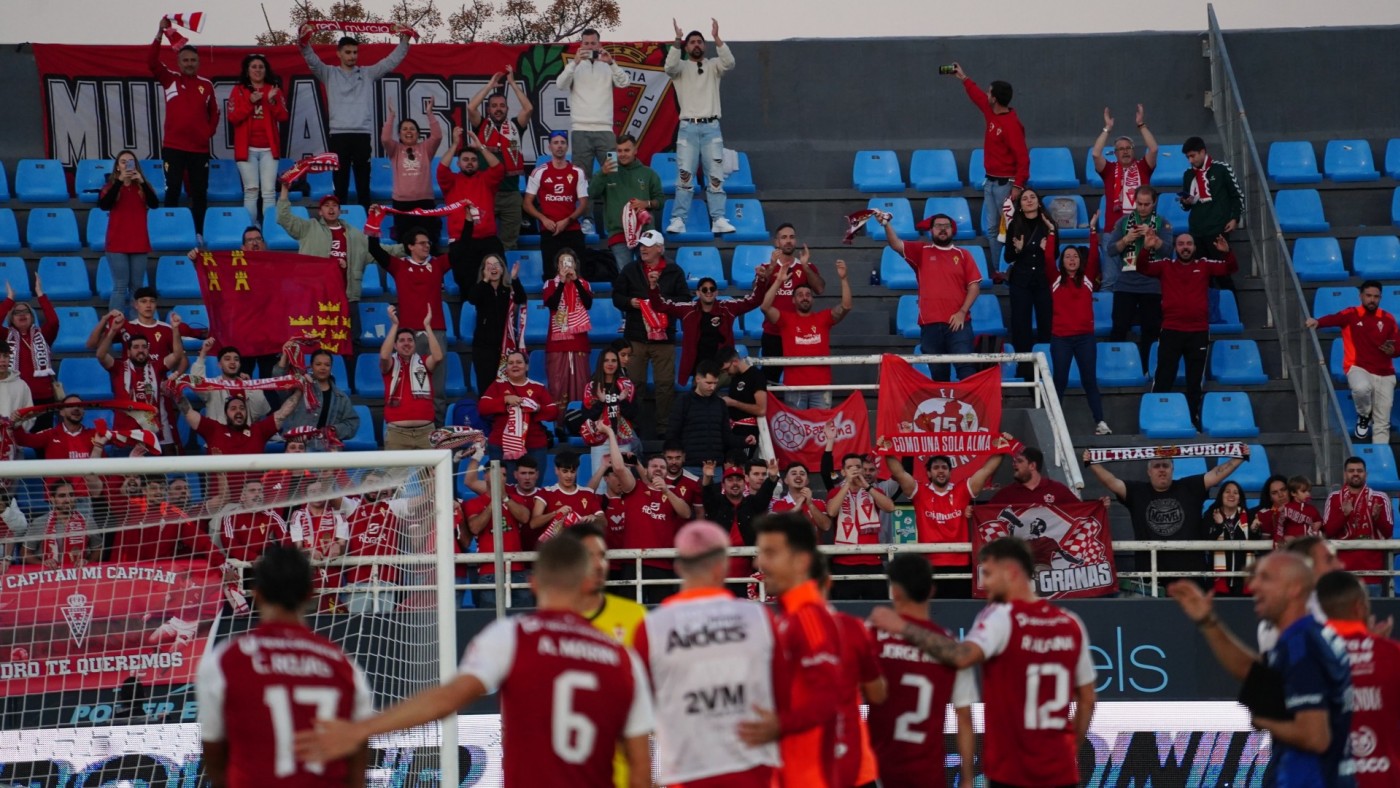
652	238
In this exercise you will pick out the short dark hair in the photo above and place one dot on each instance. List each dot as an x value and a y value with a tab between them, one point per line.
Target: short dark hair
943	458
144	292
705	279
794	464
694	34
562	563
226	349
1354	460
528	462
672	444
757	463
798	532
619	345
1338	592
320	351
913	575
188	48
707	368
1193	144
1145	188
852	455
137	338
403	331
621	138
1001	91
566	459
1008	548
726	354
1034	456
1368	284
584	529
411	237
347	41
1303	545
252	228
784	226
283	577
589	31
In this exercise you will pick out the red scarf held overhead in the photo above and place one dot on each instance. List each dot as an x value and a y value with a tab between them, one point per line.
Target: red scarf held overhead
1200	187
633	220
323	162
193	22
361	28
374	219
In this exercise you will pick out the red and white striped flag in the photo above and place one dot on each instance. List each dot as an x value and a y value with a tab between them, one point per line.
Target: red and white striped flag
193	22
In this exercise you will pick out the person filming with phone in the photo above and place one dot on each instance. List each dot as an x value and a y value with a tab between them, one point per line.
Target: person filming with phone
590	76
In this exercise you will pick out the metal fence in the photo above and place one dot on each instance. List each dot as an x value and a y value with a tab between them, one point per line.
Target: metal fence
1319	412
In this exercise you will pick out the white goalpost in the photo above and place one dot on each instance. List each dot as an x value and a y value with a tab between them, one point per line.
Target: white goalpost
118	575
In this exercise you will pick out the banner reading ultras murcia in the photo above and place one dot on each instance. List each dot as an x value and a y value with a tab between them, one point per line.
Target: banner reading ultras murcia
918	417
800	435
266	298
100	100
1070	545
95	626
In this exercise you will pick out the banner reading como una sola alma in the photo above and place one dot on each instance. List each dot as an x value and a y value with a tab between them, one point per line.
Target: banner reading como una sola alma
918	417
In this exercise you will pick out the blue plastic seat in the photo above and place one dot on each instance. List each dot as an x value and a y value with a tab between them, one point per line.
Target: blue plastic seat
537	323
976	169
171	229
4	184
1074	381
665	166
1052	168
449	326
65	278
84	376
1175	215
277	238
979	256
374	323
606	321
319	184
934	171
369	383
1392	158
877	171
1300	211
1349	161
225	183
1376	257
531	269
1230	322
1103	315
537	370
906	317
154	173
381	178
176	277
14	272
956	207
354	215
89	176
746	214
1185	467
1380	466
1331	300
1318	260
223	228
1335	357
986	316
1171	166
1237	362
1165	416
1091	175
699	262
740	181
74	325
746	261
454	378
372	282
895	273
697	224
1179	380
901	218
194	316
1080	230
363	439
41	181
9	231
1293	162
1120	364
1228	414
96	230
466	323
1254	471
53	230
1395	208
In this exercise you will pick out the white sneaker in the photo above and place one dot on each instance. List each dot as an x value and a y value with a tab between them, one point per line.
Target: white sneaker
586	225
721	225
677	225
1102	429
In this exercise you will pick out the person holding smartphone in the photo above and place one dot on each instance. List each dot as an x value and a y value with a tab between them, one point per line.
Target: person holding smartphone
590	77
557	197
127	197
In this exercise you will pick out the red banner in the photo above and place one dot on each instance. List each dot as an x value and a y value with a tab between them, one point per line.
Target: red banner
265	298
93	627
919	417
800	435
1070	542
99	100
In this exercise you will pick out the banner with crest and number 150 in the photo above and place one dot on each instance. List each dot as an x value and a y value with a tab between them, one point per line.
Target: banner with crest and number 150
918	417
265	298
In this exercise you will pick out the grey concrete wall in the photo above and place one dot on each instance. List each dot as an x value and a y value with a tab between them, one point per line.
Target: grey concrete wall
23	134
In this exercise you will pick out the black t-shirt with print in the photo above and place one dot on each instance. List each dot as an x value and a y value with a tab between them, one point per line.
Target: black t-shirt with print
1171	515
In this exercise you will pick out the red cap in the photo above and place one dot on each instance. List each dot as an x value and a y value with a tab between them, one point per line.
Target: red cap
328	198
732	470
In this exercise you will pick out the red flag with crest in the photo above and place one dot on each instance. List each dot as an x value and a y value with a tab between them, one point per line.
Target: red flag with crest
800	435
919	417
1070	544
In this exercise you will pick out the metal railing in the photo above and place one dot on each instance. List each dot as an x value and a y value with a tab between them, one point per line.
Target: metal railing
1319	412
1041	386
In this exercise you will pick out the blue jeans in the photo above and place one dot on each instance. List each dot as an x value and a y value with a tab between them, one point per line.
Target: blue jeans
1110	262
993	195
699	145
259	174
128	275
1083	349
805	400
937	338
621	255
520	596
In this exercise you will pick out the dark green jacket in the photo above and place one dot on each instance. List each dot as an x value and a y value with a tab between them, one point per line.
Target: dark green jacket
1226	203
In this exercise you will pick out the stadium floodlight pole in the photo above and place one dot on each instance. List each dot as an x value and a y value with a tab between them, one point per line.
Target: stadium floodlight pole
498	525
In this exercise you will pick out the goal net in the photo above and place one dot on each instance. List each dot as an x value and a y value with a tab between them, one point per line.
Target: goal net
119	575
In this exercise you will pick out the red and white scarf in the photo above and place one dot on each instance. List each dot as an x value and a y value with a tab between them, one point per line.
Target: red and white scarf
38	349
420	381
1128	179
193	22
634	220
570	318
359	28
514	337
322	162
510	151
854	223
455	437
309	434
131	438
517	426
1225	449
374	218
1200	187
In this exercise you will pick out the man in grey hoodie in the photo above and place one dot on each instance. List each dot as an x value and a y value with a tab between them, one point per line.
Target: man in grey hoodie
350	101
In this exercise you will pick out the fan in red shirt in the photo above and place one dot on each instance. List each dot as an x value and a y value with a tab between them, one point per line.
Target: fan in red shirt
807	720
1035	663
1358	512
564	504
478	185
806	334
854	508
1123	175
653	510
237	436
1072	340
247	532
409	409
256	689
31	346
685	484
66	534
800	271
518	405
1375	671
861	681
906	729
191	119
478	513
1005	157
556	196
139	377
569	694
1031	484
323	533
940	512
154	529
375	522
66	440
949	284
1370	343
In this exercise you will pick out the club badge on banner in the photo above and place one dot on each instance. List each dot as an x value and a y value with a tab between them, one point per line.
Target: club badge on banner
93	627
800	435
1070	544
919	417
266	298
